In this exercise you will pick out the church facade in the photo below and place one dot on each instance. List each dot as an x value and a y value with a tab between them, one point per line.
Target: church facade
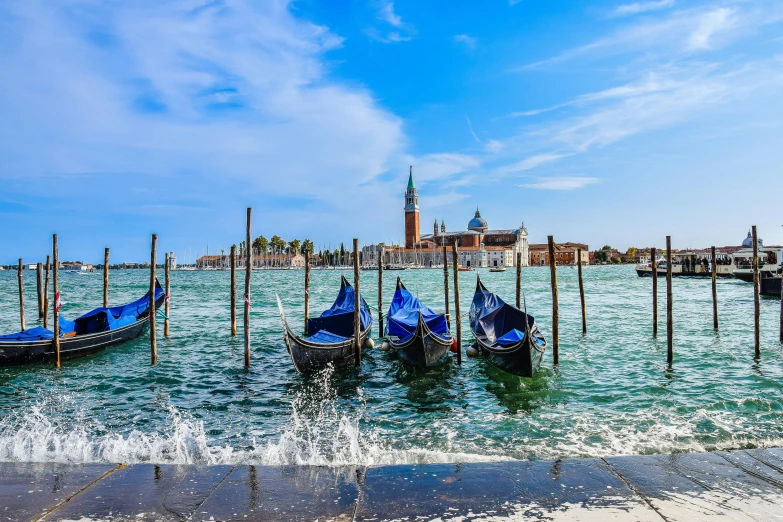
478	245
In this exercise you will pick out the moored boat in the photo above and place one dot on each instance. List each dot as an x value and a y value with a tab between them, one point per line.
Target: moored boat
90	333
771	286
416	333
498	269
329	338
506	335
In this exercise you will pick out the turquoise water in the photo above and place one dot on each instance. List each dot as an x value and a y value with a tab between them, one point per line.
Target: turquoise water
611	394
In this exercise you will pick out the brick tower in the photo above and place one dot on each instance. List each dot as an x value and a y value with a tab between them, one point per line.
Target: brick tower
412	235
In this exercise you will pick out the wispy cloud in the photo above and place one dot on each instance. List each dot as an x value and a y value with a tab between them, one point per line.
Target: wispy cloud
529	163
466	40
683	32
400	30
472	132
561	183
642	7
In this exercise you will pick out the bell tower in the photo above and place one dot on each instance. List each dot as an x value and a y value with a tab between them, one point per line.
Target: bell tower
412	234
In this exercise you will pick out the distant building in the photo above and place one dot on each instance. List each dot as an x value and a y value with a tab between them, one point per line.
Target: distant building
565	254
478	245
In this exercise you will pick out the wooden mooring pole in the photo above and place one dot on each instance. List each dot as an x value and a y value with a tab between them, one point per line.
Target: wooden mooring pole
555	305
46	294
781	308
21	293
654	265
446	282
756	296
39	289
455	264
581	290
519	280
714	289
153	310
381	256
248	273
56	307
167	297
669	304
357	305
106	277
307	290
233	264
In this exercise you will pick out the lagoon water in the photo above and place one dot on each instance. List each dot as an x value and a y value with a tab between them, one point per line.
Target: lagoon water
612	393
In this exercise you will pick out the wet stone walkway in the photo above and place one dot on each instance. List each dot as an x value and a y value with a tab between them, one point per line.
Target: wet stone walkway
735	485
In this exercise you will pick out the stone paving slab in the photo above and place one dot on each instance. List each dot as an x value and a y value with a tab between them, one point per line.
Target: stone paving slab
734	485
284	493
705	486
565	489
29	490
144	492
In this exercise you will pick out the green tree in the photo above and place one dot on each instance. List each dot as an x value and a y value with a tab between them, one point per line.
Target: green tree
261	244
342	254
294	246
277	243
308	246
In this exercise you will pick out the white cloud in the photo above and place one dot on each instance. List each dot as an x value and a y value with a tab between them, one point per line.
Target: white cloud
561	183
387	14
466	40
710	24
642	7
530	162
401	32
147	99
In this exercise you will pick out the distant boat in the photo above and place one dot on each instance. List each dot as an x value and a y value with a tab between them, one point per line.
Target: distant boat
498	269
329	338
465	269
509	337
417	334
90	333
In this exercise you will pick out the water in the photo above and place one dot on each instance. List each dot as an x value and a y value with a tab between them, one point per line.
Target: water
612	393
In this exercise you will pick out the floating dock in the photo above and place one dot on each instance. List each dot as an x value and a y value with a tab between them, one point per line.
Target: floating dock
734	485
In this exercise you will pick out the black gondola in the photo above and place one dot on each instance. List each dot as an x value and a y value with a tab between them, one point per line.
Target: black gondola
508	337
88	334
417	334
329	337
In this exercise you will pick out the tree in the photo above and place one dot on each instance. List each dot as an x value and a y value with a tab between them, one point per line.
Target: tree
277	243
261	244
294	245
307	246
607	247
631	252
342	254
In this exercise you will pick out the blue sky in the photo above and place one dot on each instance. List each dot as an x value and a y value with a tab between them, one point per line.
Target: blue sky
603	122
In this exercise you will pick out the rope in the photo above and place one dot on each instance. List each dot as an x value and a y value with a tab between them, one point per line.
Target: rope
161	312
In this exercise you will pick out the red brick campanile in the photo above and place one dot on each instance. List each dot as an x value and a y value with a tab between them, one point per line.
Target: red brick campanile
412	234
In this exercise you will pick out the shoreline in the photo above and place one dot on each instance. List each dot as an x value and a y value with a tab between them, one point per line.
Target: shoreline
739	484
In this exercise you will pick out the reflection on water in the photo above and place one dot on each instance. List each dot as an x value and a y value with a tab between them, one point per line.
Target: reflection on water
611	394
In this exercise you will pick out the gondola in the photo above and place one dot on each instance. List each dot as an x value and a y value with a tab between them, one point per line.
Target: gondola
507	336
88	334
329	337
417	334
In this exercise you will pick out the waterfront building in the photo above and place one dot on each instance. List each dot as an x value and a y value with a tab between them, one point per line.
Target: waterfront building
479	246
565	254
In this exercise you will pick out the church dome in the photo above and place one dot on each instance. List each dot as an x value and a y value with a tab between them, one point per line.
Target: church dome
748	243
478	222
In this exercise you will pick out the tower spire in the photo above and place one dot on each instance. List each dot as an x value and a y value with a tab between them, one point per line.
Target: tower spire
411	184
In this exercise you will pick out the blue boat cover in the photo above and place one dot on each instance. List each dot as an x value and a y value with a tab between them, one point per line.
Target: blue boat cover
336	324
496	320
403	317
98	320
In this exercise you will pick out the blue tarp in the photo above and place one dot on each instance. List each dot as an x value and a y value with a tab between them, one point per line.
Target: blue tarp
403	316
336	323
98	320
497	321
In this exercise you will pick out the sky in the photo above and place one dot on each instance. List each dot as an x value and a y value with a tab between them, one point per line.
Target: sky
603	122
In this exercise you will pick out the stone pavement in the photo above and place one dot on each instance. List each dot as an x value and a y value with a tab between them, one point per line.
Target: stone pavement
735	485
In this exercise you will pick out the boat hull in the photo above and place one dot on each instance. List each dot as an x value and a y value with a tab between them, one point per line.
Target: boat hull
423	348
523	360
771	286
311	357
